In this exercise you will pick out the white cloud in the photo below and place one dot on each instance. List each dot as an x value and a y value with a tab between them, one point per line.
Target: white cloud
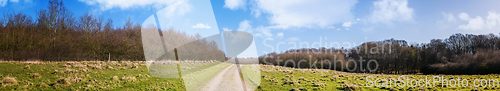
28	1
264	31
3	2
338	28
245	26
125	4
473	23
199	25
305	13
463	16
446	22
331	27
226	29
280	34
478	23
293	39
492	19
348	24
234	4
449	17
387	11
176	9
261	31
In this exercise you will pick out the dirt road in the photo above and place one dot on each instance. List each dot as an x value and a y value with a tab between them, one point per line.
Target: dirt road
227	80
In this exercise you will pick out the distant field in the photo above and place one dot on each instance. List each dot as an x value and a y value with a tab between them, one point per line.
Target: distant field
114	75
284	78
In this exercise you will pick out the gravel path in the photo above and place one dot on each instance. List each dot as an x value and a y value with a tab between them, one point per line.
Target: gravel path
227	80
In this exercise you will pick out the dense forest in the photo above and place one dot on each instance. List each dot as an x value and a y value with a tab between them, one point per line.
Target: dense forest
458	54
56	35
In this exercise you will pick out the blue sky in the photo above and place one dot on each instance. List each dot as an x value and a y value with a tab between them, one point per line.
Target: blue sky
279	24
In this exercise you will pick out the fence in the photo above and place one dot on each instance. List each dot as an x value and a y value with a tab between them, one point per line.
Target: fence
63	56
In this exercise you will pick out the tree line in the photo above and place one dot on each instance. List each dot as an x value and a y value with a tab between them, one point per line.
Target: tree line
457	54
57	35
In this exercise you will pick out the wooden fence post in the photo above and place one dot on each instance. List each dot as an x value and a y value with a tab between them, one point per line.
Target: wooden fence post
178	65
38	55
12	55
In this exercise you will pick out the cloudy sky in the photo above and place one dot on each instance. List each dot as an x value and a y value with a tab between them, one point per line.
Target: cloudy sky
279	24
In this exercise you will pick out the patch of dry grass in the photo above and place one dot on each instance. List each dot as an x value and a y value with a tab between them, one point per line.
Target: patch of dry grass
128	79
84	70
9	80
27	67
56	72
66	65
109	67
32	62
78	65
351	87
135	67
115	78
76	79
63	81
96	67
70	71
36	76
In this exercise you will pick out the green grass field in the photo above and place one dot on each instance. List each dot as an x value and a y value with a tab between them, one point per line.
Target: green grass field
96	75
284	78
